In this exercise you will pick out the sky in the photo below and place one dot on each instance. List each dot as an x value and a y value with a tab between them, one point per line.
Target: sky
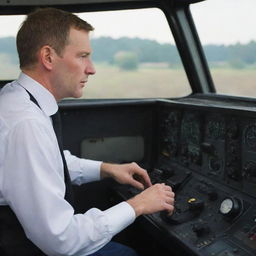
217	21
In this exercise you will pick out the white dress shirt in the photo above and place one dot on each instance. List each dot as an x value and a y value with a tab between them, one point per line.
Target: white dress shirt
32	177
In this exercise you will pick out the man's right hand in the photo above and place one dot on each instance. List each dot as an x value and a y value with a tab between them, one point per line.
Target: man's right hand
156	198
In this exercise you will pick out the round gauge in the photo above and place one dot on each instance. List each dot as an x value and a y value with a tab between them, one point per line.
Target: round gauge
230	207
250	136
226	206
216	128
190	130
214	163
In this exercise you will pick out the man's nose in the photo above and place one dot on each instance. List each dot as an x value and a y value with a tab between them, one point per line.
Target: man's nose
90	69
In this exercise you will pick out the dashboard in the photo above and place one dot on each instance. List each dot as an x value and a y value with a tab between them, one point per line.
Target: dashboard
206	151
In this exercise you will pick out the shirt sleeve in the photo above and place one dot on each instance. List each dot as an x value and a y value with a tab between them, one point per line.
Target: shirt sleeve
82	170
33	186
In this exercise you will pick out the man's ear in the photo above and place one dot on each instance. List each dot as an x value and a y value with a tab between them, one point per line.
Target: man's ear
46	56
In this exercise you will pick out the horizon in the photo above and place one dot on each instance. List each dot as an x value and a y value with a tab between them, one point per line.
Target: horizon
218	22
161	43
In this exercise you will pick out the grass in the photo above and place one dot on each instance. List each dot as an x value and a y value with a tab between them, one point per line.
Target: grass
151	81
241	82
111	82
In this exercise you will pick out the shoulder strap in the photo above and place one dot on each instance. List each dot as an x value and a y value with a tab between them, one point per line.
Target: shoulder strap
32	98
57	129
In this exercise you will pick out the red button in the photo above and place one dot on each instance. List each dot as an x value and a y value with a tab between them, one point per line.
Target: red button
253	237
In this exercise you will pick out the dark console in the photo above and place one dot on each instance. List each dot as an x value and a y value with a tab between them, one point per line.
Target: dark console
206	151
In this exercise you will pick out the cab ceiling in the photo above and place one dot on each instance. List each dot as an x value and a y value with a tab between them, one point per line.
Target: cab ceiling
24	6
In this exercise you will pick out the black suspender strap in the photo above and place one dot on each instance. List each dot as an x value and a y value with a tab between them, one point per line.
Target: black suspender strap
56	120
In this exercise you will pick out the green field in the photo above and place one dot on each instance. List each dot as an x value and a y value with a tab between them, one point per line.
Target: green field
241	82
110	82
154	80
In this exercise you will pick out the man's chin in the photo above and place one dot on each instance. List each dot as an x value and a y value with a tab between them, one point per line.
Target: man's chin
78	94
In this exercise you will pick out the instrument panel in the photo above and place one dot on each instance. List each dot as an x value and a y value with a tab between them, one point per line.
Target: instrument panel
220	146
208	156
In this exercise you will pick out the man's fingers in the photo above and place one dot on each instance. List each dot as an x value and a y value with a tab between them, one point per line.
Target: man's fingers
148	181
169	208
142	176
170	194
168	188
143	180
146	178
136	184
170	200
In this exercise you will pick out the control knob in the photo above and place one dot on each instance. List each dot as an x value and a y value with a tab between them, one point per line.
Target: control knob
200	229
249	170
195	204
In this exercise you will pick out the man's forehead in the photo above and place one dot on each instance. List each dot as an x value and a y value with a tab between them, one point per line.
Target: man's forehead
78	33
78	38
78	43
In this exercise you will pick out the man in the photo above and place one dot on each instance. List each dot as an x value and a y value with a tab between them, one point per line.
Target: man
54	52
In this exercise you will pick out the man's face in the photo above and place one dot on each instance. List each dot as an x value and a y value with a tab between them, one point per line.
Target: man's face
73	67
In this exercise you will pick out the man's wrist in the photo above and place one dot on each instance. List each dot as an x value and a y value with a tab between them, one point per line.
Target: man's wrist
136	205
105	170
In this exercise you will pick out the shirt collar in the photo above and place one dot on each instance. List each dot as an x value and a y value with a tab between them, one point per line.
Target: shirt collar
44	98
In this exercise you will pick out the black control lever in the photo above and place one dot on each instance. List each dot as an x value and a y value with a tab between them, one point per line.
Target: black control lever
179	183
207	148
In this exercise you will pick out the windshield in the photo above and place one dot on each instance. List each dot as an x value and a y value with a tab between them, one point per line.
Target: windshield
133	52
227	31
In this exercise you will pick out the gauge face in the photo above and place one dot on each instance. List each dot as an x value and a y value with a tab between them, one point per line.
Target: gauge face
216	128
250	136
190	129
226	206
214	163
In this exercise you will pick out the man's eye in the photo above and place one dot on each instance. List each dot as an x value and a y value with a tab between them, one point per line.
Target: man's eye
84	55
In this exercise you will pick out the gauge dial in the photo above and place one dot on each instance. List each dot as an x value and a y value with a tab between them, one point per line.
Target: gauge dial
250	136
230	207
226	206
216	128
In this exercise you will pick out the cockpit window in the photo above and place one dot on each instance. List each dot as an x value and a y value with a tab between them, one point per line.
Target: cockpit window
133	52
227	32
9	64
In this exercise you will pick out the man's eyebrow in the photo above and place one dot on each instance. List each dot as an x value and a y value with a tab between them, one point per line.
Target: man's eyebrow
86	52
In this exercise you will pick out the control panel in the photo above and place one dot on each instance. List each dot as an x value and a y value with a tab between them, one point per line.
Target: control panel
208	156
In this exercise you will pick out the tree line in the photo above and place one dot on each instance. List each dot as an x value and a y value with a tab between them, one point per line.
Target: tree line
107	49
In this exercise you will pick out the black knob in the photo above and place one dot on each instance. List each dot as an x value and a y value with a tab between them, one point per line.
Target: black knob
207	148
213	195
233	131
195	204
200	229
233	172
230	207
214	163
207	189
184	150
167	173
250	169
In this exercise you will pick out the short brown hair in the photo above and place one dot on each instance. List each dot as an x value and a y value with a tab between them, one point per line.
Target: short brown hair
46	26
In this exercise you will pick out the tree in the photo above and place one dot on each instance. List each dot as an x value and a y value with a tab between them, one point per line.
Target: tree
126	60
